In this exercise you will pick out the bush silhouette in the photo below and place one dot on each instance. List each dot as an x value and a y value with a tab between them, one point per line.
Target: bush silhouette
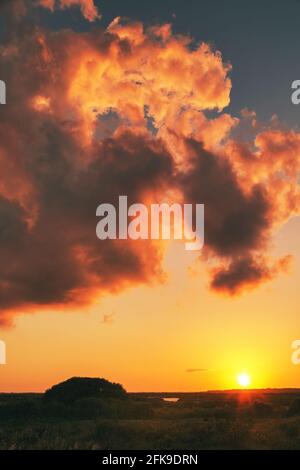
78	388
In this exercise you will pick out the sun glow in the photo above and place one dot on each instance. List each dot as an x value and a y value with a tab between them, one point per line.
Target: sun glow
244	380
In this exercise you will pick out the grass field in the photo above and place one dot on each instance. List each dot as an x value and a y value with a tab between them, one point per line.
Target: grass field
267	419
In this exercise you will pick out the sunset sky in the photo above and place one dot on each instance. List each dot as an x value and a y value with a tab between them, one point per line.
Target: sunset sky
177	101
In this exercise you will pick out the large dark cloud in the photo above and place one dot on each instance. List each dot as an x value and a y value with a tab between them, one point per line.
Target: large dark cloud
61	155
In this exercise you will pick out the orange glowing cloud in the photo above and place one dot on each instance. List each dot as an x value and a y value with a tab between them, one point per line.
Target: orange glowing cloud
87	7
41	103
119	71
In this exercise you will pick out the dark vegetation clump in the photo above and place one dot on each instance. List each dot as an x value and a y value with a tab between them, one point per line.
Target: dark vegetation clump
84	387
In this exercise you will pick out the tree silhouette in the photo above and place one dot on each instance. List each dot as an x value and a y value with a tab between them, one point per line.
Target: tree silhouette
84	387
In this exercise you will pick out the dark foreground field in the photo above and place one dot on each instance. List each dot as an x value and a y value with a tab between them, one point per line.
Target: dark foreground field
221	420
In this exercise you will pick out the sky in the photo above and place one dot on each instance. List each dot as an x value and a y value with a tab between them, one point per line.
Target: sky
178	101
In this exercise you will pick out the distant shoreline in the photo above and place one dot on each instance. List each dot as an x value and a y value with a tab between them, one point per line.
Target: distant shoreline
182	394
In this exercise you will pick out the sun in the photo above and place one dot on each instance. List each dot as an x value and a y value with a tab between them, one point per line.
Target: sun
243	380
